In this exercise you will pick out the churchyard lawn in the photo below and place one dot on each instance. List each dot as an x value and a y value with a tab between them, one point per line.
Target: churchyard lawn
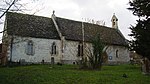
70	74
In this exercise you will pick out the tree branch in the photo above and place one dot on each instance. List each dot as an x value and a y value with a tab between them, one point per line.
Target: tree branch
8	8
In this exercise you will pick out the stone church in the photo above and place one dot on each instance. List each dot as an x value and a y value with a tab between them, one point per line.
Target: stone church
36	39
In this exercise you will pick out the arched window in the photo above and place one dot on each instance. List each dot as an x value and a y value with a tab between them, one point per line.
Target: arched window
53	47
117	54
30	50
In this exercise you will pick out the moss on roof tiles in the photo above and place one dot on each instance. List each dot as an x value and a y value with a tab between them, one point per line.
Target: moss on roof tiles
31	26
43	27
72	30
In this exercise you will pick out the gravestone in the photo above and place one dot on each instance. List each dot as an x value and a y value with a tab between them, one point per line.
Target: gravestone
52	61
146	66
22	61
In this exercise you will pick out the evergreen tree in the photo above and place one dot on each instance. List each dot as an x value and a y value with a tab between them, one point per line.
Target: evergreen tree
96	59
141	31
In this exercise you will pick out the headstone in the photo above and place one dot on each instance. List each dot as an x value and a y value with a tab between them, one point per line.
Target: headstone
22	61
146	66
43	61
52	61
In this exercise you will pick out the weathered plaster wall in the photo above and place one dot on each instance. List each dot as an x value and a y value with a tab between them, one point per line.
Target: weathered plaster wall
70	52
123	54
42	48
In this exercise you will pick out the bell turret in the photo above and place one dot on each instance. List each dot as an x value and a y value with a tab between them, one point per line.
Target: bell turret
114	21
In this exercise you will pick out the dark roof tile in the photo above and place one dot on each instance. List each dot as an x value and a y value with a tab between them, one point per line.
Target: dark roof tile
72	30
30	26
42	27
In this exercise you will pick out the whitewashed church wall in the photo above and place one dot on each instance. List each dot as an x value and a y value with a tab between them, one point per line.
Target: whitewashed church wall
123	54
70	52
41	47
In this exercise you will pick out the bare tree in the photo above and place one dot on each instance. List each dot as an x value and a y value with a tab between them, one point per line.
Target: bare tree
14	6
98	22
11	5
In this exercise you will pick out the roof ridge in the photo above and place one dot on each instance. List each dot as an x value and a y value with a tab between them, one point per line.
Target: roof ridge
61	18
28	14
85	22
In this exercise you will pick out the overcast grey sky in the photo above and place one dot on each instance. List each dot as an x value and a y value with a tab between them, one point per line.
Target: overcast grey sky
92	9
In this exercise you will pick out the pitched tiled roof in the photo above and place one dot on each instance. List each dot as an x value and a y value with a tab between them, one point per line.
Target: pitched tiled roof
72	30
42	27
30	26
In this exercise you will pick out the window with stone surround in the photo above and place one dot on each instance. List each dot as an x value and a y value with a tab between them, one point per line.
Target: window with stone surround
117	55
53	48
30	48
80	49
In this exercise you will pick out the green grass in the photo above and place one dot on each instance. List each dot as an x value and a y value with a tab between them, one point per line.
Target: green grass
69	74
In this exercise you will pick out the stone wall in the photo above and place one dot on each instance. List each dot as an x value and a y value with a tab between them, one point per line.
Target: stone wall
122	57
70	52
41	47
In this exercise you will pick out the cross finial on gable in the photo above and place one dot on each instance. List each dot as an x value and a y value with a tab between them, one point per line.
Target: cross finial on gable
53	11
53	15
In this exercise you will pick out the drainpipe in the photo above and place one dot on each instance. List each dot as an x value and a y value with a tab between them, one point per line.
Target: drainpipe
11	48
83	58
